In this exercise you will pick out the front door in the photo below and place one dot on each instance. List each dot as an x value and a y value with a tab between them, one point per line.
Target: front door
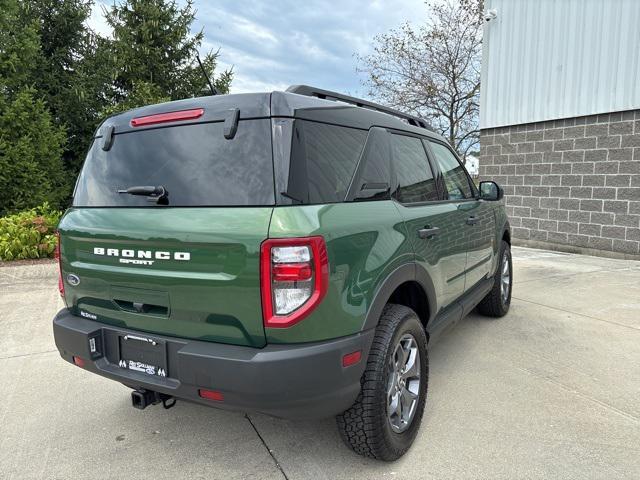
475	215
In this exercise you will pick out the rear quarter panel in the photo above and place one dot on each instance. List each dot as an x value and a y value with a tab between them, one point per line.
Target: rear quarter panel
366	241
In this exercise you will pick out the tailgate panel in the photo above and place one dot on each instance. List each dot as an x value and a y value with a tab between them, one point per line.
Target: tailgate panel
184	272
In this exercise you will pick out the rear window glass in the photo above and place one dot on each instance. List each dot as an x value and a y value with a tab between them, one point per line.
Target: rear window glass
323	160
196	165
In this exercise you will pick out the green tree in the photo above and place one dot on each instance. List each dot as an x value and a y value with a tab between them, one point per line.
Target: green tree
31	145
65	72
154	51
31	169
19	47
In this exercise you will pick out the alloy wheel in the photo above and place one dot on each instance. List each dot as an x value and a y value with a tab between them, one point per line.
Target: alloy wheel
403	386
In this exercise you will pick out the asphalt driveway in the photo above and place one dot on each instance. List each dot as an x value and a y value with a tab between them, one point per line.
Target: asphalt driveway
550	391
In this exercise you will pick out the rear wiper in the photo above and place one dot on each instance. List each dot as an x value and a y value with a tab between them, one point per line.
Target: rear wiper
158	194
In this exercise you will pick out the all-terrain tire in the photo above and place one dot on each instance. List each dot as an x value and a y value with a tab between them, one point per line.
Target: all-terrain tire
495	304
365	426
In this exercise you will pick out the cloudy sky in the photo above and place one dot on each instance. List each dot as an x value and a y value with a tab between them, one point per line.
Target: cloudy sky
273	44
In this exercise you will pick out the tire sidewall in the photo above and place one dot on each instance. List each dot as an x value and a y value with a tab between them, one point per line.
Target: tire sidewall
399	443
506	250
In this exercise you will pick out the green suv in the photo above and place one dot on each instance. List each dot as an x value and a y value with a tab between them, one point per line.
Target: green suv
291	253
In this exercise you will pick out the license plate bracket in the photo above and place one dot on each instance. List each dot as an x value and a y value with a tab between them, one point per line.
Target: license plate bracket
143	354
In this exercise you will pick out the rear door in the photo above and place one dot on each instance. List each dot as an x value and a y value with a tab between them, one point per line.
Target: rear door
475	216
432	225
189	268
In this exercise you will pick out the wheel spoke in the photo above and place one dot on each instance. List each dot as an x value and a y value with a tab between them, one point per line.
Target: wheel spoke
411	369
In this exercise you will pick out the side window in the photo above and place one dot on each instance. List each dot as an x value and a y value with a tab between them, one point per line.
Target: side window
323	161
455	177
373	178
415	178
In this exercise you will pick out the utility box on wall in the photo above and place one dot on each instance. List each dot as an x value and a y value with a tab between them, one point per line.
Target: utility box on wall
560	121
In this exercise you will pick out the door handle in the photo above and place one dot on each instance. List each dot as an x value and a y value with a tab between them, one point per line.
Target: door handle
428	232
472	220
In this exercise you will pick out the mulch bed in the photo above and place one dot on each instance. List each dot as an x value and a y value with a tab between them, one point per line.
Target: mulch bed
31	261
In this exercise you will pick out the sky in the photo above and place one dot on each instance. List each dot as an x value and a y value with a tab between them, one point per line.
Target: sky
274	44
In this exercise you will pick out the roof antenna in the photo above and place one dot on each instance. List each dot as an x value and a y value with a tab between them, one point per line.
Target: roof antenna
204	72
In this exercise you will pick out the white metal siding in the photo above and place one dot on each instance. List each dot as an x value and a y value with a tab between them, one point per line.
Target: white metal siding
549	59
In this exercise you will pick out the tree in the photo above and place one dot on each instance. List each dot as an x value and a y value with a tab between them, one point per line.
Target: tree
19	47
153	51
433	70
71	91
31	169
31	145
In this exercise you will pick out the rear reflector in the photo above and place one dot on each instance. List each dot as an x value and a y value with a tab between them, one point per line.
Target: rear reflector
167	117
211	395
351	358
78	361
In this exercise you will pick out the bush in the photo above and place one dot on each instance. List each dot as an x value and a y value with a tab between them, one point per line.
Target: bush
29	234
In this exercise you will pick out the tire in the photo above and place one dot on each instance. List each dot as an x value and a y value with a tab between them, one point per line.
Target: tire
366	426
496	304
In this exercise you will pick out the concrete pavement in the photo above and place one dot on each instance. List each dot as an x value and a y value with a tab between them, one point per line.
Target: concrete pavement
550	391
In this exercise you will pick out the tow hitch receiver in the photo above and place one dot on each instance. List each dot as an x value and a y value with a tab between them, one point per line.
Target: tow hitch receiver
142	398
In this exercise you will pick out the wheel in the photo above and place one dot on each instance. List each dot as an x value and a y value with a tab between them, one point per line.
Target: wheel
498	300
385	418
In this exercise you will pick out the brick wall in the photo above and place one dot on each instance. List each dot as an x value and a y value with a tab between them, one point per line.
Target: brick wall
572	182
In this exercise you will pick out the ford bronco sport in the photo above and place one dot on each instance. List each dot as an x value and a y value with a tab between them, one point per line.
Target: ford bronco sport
290	253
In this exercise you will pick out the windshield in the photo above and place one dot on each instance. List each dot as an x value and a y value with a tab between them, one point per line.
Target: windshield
195	164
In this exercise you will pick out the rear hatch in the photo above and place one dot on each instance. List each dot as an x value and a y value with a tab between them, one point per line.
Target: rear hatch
185	264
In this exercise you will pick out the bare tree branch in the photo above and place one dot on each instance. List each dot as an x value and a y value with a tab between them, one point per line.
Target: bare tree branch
433	70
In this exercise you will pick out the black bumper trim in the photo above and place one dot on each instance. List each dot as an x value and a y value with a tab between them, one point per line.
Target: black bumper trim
289	381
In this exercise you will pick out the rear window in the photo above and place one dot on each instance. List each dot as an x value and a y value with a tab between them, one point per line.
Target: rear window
323	161
196	164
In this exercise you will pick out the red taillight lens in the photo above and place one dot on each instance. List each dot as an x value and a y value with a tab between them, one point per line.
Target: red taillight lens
167	117
211	395
294	278
78	361
57	255
292	272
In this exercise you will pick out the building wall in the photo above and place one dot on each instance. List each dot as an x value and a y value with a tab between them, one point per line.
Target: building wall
573	183
550	59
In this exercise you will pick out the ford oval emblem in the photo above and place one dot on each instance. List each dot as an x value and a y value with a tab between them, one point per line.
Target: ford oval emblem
73	280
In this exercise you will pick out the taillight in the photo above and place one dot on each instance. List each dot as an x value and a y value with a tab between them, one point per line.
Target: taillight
58	256
294	277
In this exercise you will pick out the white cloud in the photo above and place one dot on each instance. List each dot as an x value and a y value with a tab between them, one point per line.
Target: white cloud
275	44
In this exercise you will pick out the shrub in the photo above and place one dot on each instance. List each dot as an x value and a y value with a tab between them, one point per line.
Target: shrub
29	234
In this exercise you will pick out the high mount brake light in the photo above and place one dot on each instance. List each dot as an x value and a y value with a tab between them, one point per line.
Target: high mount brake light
57	255
167	117
294	277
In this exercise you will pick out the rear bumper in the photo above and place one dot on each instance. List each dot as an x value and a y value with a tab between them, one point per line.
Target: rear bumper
290	381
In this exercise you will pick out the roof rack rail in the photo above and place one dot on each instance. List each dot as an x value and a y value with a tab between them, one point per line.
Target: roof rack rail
329	95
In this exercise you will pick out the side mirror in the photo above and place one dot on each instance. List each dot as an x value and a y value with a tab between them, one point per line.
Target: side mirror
491	191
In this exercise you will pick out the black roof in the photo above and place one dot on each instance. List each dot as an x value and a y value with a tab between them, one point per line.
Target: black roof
278	104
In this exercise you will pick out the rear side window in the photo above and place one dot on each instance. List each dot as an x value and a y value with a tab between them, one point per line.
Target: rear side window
373	179
196	164
323	161
455	176
415	178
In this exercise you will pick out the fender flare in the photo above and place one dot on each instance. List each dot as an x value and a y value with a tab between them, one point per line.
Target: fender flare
405	273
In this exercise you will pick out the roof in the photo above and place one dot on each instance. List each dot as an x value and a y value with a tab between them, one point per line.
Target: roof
266	105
